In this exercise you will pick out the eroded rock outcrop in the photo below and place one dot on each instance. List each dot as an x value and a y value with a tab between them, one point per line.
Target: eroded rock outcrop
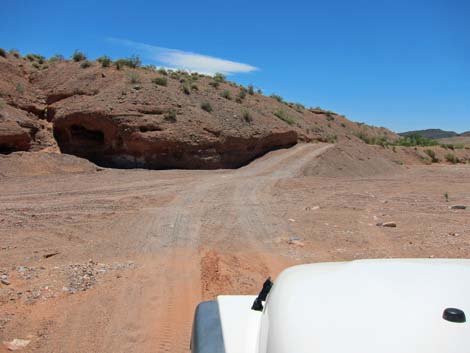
123	118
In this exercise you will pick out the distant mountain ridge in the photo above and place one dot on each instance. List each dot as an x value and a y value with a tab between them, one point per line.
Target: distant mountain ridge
434	133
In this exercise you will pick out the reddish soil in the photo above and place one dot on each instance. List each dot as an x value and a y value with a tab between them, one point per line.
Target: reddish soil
116	260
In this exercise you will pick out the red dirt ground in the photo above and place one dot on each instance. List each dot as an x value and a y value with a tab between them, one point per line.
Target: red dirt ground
116	260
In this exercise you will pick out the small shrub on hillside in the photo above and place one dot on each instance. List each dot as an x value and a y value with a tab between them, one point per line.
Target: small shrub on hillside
259	91
331	138
78	56
35	57
36	65
446	196
194	87
105	61
174	75
218	77
160	81
246	116
133	77
194	76
19	88
278	98
3	52
214	84
450	157
281	114
251	90
85	64
186	88
206	106
15	53
56	57
132	62
299	107
242	93
431	155
171	115
2	104
162	71
226	94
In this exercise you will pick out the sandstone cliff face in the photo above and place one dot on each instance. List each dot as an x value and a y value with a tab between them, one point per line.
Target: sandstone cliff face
121	118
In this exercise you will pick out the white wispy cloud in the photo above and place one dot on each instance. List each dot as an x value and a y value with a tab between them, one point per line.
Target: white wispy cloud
186	60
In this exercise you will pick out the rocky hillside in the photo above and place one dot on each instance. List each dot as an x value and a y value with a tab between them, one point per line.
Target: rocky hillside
118	114
430	133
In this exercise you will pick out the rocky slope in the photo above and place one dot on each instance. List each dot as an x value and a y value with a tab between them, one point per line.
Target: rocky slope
143	117
430	133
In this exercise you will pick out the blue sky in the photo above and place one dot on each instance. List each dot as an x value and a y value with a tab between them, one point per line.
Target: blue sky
400	64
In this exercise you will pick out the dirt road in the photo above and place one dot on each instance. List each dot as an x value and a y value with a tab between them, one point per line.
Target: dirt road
115	261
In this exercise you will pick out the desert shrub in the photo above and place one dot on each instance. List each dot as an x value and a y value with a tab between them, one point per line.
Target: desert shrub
194	87
160	81
171	115
85	64
2	104
15	53
56	57
431	155
242	93
36	65
450	157
132	62
214	84
246	116
194	76
206	106
299	107
19	88
133	77
35	57
415	140
251	90
105	61
343	125
259	91
446	196
226	94
3	52
150	67
331	138
78	56
281	114
162	71
278	98
174	75
329	116
186	88
218	77
451	146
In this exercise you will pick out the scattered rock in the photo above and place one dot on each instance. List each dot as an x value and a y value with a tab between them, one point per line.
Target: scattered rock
313	208
295	241
5	282
458	207
48	255
291	220
387	224
16	344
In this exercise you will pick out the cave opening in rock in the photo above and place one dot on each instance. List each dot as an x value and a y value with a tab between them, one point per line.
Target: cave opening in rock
81	134
7	149
82	141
